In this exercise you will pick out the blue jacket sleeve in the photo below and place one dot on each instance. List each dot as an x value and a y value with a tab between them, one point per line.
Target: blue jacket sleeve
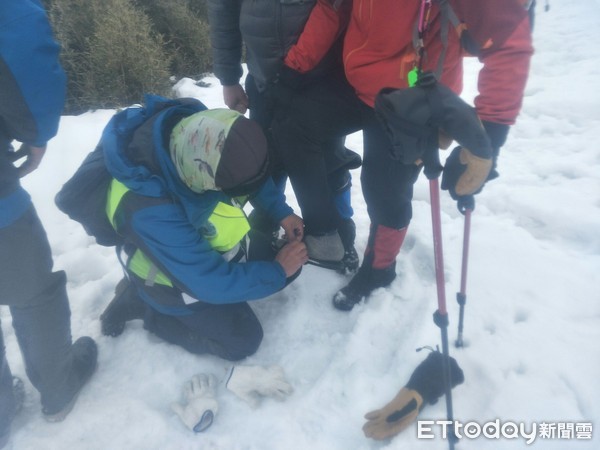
170	241
32	82
271	200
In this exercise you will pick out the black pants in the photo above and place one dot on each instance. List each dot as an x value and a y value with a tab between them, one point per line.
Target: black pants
317	192
387	184
230	331
38	303
329	110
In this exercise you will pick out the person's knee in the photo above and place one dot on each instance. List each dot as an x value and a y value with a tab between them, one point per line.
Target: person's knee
243	346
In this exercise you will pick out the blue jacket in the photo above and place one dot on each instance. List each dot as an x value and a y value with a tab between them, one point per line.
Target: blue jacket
32	93
161	216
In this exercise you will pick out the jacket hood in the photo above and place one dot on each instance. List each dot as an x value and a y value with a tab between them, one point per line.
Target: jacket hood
135	145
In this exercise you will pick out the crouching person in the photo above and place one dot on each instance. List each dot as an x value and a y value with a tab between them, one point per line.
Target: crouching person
192	262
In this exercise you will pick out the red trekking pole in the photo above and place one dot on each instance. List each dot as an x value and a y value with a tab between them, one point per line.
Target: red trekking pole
461	297
440	317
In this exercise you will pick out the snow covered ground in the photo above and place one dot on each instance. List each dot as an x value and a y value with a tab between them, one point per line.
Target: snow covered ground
532	324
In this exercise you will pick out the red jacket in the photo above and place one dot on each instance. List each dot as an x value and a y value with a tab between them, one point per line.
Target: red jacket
379	52
326	23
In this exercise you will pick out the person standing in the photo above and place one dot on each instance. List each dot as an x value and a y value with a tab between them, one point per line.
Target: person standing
32	94
288	55
496	31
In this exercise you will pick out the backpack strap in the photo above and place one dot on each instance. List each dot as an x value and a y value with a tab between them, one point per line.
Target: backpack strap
448	16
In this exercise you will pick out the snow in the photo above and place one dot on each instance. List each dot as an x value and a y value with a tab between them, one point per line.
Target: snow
532	323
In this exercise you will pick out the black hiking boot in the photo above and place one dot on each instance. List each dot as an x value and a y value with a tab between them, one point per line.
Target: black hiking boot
347	232
85	359
362	285
124	307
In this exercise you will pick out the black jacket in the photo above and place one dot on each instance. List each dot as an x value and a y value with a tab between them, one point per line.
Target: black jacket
268	28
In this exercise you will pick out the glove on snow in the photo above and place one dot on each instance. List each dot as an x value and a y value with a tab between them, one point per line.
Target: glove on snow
426	385
250	383
199	405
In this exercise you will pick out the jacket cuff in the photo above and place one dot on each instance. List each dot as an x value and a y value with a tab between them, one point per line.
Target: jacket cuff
497	132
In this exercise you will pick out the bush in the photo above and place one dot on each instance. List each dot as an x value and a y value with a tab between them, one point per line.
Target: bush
114	51
184	27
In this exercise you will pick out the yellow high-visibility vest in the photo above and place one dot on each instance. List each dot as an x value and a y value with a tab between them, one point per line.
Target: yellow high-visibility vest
226	228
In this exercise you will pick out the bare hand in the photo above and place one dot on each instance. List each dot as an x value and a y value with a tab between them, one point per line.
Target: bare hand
293	227
34	158
291	257
235	98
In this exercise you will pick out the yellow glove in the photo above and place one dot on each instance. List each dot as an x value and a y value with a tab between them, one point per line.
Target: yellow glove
475	174
465	173
394	417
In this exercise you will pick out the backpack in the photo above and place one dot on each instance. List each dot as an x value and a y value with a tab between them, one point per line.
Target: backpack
83	197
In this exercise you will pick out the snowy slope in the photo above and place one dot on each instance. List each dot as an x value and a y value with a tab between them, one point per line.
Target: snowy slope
533	313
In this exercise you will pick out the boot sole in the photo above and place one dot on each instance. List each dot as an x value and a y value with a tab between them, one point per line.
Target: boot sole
338	266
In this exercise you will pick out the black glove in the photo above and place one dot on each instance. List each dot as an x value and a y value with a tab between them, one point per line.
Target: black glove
284	87
428	379
291	78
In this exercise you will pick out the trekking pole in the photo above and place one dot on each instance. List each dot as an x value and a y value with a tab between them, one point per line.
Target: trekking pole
440	317
461	297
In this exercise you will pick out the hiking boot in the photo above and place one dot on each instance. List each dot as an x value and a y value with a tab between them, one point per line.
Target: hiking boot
349	261
18	399
85	358
362	285
124	307
325	250
347	232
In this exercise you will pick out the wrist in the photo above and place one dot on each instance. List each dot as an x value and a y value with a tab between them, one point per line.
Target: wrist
497	132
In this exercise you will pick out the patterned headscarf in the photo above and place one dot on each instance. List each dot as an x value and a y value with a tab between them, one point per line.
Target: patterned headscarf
218	150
